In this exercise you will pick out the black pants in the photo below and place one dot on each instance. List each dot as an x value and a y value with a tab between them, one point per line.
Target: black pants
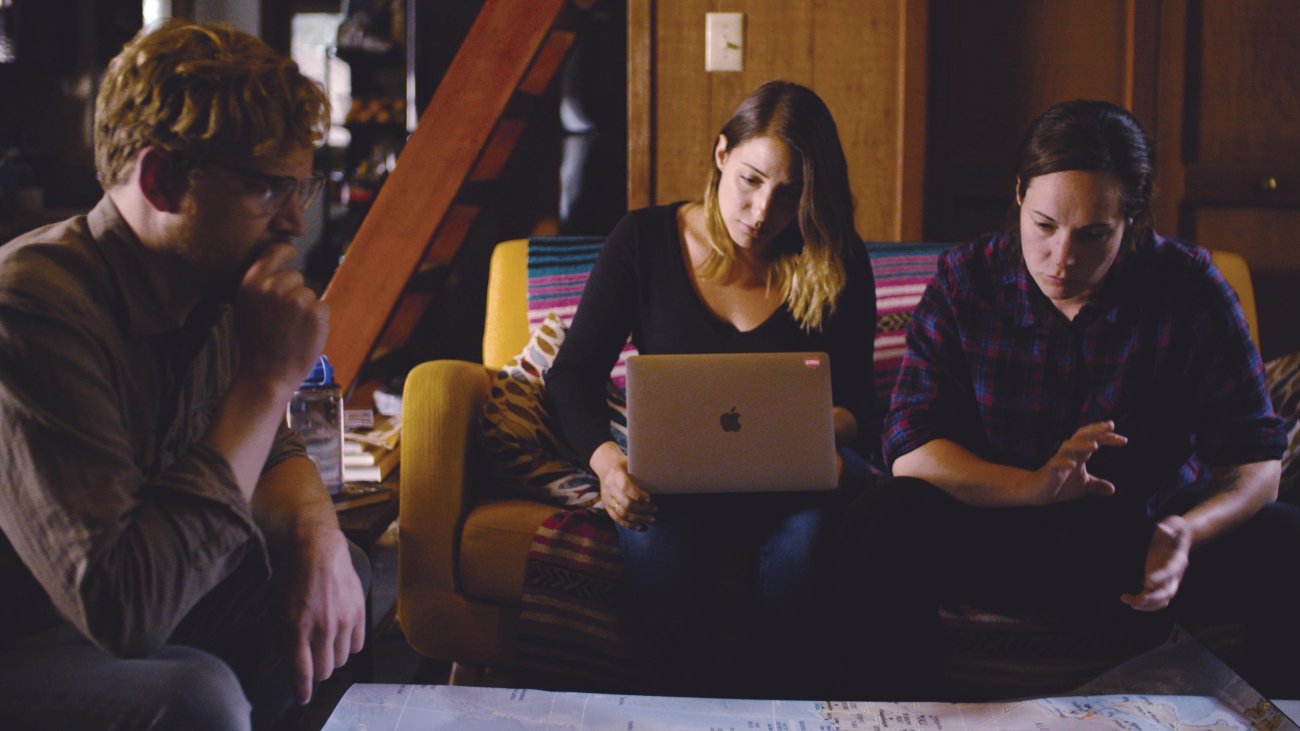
226	667
913	547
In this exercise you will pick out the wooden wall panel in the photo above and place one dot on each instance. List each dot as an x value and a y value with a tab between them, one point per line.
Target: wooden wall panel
913	103
1249	59
682	104
851	52
1240	139
640	98
1014	58
1230	173
996	65
856	70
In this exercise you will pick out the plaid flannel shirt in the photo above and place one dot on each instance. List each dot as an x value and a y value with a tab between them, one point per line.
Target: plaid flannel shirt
1163	350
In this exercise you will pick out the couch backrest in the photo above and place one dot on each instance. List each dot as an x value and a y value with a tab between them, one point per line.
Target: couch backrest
526	282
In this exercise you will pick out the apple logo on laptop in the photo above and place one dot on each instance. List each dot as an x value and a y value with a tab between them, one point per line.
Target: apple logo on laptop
730	420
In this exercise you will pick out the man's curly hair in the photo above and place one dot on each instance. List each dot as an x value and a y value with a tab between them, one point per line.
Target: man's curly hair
205	92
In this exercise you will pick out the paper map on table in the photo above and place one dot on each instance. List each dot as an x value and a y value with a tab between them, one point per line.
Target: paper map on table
377	707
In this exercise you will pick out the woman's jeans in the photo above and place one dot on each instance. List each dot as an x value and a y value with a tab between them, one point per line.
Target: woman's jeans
727	594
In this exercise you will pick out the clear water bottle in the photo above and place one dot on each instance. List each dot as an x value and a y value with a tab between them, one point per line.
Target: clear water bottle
316	412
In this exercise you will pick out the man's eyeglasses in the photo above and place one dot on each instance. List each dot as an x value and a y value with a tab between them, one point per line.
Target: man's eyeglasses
276	189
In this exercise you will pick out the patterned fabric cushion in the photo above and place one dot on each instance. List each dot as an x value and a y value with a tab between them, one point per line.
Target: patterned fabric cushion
519	437
1283	378
901	270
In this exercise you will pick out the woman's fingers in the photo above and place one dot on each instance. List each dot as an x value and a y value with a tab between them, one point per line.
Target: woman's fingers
628	506
1077	450
1081	446
639	511
1098	486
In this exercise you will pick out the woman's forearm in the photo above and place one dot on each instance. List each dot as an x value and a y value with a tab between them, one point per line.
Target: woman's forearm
1240	491
967	477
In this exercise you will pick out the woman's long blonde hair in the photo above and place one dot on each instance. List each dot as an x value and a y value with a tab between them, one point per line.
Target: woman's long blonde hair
807	263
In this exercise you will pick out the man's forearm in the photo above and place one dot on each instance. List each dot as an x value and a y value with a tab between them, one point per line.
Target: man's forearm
246	422
323	602
291	501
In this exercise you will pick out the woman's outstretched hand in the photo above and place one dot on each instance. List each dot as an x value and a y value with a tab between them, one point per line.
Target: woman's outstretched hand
1065	476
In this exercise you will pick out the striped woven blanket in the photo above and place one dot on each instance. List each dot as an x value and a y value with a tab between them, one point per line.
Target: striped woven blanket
571	631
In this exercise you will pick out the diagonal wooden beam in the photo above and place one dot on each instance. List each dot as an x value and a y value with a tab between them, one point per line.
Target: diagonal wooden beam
493	61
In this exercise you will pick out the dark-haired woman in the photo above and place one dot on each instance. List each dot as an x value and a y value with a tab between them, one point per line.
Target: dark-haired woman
723	593
1080	428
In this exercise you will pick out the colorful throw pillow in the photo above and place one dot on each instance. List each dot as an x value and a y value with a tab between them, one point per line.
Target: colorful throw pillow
902	270
1282	375
523	448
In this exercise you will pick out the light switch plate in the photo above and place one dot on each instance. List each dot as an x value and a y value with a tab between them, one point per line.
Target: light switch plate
724	41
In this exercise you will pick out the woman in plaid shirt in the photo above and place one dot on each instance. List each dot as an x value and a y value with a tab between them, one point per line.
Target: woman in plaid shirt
1080	429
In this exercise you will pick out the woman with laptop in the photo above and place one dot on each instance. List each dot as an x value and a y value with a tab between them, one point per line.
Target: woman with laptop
723	591
1080	429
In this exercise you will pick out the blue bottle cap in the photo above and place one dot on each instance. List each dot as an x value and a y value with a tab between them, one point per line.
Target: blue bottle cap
322	374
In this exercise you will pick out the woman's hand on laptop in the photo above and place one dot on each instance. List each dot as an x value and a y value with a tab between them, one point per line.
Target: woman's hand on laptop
627	504
845	425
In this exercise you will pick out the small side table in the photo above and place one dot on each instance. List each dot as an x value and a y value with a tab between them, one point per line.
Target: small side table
363	526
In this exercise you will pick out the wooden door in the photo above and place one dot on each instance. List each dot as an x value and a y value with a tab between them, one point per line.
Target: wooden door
995	66
1230	143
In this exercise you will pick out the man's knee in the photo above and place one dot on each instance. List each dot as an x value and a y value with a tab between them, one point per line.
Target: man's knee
77	686
196	690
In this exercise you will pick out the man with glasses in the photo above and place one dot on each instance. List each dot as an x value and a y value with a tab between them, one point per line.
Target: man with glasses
170	556
276	189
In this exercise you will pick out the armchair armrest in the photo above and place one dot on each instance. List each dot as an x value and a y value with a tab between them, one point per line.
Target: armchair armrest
441	405
441	552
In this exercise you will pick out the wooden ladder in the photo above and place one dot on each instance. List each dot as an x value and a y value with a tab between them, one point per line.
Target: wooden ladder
443	176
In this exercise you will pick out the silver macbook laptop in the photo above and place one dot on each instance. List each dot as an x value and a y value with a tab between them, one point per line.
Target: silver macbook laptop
750	422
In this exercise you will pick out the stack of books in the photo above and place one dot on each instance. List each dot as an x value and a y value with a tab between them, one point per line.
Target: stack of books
361	494
371	455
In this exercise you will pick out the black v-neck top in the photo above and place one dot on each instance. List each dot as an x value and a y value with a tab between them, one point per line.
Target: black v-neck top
640	285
